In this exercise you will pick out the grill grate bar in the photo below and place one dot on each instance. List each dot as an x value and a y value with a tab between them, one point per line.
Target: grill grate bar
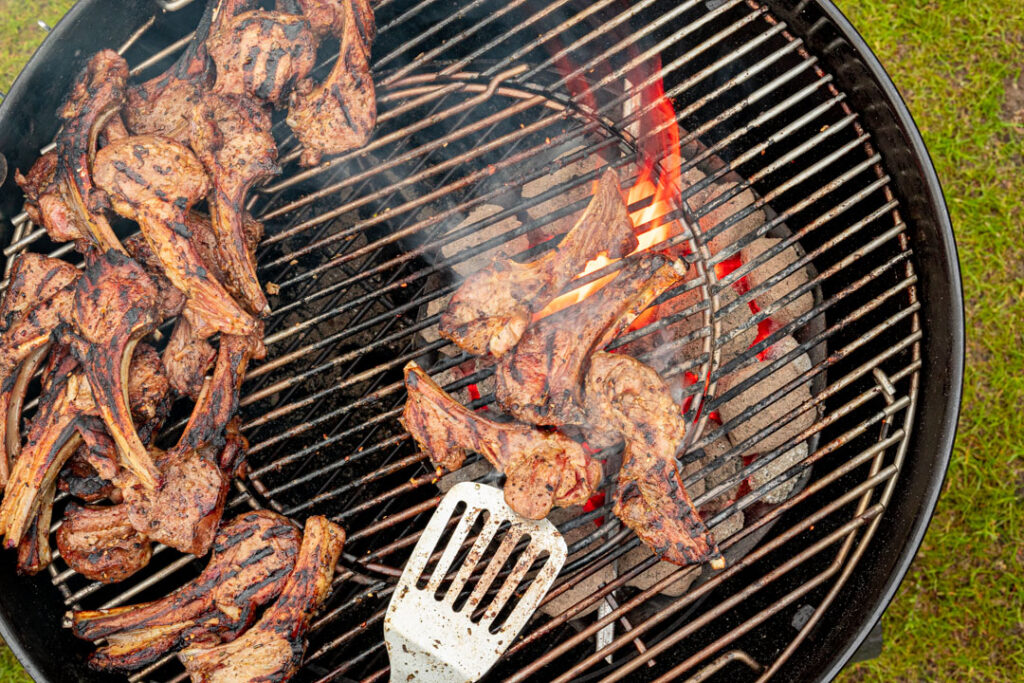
394	363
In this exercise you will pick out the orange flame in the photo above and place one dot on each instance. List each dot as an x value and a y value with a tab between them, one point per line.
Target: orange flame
657	193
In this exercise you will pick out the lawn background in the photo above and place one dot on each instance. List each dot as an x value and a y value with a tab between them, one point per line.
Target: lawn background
959	615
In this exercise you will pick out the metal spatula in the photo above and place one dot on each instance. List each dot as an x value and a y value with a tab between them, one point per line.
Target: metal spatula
433	631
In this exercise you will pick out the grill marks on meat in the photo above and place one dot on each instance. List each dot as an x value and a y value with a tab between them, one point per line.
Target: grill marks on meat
261	54
115	307
543	469
218	399
100	543
66	408
155	181
231	135
340	113
492	309
253	556
541	380
162	104
625	395
185	511
33	279
67	421
97	95
273	648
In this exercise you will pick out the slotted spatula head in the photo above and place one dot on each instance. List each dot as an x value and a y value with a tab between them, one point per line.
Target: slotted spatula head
433	629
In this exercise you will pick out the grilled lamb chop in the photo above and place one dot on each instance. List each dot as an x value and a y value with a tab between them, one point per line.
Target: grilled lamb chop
155	181
493	307
253	556
97	95
115	306
81	479
23	345
542	469
540	382
231	135
34	552
340	113
65	409
187	358
188	355
280	635
67	417
101	544
630	397
33	279
261	54
163	104
185	512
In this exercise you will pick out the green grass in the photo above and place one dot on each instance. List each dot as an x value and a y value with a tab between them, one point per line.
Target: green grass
960	613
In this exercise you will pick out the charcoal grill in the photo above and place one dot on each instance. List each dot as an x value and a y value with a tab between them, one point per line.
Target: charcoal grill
478	99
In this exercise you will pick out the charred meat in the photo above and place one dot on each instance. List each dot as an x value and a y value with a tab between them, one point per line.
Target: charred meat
261	54
68	417
340	113
542	469
97	95
185	511
540	382
162	105
115	306
279	637
101	544
66	408
493	307
155	181
253	557
231	135
33	280
626	395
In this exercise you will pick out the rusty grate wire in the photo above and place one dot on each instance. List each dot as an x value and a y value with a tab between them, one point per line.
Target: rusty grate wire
474	103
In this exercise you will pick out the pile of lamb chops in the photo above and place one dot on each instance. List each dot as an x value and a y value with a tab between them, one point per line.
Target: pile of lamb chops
151	153
553	376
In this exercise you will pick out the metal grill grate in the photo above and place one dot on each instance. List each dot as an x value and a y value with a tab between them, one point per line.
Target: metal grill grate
475	104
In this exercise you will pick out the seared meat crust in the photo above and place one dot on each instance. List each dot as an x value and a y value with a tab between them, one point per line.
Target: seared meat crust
253	556
624	394
261	54
543	469
541	381
491	310
155	181
231	135
115	306
340	113
279	637
101	544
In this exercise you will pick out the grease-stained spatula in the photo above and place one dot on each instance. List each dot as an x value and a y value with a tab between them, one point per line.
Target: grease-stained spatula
434	632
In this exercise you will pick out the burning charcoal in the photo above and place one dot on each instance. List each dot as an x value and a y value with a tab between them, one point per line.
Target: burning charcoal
572	193
507	249
802	304
714	451
720	214
781	408
474	471
656	573
782	462
728	527
430	334
592	583
738	318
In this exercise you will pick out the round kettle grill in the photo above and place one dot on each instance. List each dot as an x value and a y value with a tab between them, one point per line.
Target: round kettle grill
772	121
